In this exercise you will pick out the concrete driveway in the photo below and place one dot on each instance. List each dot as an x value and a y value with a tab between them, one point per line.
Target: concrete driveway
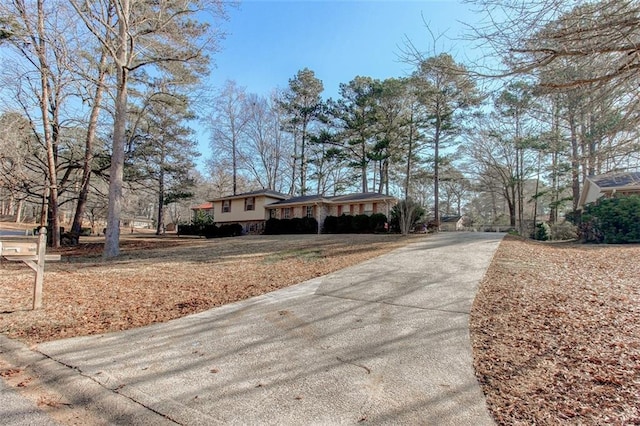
382	342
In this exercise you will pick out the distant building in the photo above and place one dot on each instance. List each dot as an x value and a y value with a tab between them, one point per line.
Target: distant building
452	223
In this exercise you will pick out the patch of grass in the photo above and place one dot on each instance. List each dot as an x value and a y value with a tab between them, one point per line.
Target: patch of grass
305	254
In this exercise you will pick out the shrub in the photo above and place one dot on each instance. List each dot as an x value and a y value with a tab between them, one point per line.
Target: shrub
310	225
563	231
360	224
612	221
187	229
345	224
272	227
209	231
377	222
542	231
405	215
306	225
232	230
330	225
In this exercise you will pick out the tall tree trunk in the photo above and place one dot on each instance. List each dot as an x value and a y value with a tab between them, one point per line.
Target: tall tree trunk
45	106
292	189
116	171
303	161
19	211
363	167
160	222
575	164
88	148
436	173
409	157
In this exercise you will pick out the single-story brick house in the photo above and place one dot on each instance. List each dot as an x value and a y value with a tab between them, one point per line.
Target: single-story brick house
252	209
608	185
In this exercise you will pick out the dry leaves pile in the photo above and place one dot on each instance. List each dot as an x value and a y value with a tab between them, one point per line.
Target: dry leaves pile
556	334
160	278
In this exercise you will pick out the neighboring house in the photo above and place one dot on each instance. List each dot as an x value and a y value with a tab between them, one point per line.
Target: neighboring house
247	209
320	207
608	185
452	223
137	222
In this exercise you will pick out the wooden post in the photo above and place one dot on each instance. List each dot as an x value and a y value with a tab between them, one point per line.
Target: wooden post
37	287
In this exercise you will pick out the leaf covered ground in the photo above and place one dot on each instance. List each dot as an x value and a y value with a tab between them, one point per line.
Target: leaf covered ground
556	334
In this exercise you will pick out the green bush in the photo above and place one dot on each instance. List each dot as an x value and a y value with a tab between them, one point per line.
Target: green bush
330	225
360	224
405	215
542	232
232	230
306	225
377	222
345	224
611	221
272	227
209	231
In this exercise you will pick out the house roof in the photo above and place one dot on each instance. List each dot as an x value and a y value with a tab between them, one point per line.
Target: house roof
265	192
204	206
450	219
338	199
361	196
595	186
306	199
612	181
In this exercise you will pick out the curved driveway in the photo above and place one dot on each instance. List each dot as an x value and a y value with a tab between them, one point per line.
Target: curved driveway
382	342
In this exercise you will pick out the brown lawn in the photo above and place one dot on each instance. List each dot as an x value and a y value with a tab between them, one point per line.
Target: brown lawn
161	278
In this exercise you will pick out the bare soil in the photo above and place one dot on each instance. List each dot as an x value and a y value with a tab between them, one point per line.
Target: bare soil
555	326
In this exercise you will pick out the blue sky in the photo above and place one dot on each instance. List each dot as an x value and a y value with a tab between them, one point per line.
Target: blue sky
269	41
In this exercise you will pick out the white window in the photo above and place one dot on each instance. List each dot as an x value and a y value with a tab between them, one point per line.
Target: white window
249	203
226	206
309	211
286	213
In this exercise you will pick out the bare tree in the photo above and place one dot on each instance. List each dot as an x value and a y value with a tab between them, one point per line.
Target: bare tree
527	36
165	35
227	123
267	145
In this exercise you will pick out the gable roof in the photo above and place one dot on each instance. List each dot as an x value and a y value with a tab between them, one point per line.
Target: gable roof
619	181
608	183
265	192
